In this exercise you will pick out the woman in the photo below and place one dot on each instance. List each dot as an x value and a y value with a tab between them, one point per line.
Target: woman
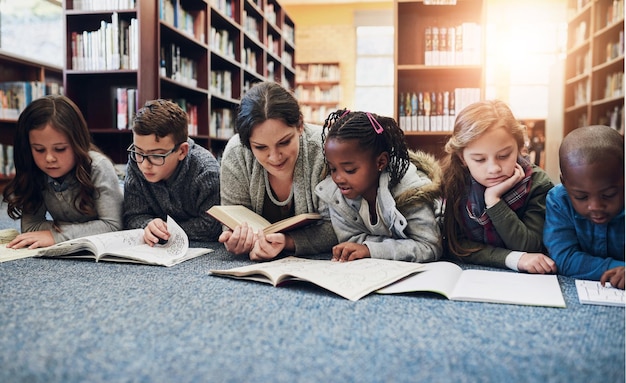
271	166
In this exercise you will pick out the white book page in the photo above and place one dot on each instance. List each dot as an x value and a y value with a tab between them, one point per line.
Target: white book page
437	277
352	280
509	287
593	293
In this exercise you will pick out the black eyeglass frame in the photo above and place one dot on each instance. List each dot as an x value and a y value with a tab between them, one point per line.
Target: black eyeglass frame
135	156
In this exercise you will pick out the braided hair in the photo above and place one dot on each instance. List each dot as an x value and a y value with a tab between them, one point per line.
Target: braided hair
376	133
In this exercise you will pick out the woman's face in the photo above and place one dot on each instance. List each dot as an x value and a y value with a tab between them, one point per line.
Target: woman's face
276	145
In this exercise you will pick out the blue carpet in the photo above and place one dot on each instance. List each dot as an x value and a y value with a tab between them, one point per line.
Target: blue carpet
80	321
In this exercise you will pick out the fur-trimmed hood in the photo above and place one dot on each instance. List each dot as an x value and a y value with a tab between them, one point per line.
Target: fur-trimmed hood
427	167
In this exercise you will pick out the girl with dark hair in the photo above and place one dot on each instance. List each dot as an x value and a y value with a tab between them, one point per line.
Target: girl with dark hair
382	197
59	172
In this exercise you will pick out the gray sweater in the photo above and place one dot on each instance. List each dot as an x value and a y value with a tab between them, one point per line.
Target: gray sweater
185	196
243	183
71	222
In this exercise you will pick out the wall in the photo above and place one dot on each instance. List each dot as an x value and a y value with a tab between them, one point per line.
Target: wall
326	33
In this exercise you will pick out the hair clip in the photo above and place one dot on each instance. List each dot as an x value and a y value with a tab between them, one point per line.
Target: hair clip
375	124
344	113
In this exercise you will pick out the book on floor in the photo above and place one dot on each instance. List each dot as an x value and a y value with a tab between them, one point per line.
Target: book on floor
116	246
593	293
235	215
454	283
351	280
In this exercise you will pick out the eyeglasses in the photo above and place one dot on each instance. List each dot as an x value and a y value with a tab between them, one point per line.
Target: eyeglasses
154	159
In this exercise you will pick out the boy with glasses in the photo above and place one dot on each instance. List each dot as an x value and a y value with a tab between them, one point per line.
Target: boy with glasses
169	174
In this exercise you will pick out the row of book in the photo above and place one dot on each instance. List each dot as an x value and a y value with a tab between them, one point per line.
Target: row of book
434	111
221	83
126	100
317	72
227	7
16	95
111	47
7	166
222	42
614	85
102	5
222	123
316	114
189	22
318	94
454	45
177	67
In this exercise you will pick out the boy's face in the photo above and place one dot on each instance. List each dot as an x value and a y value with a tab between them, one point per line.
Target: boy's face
596	190
148	145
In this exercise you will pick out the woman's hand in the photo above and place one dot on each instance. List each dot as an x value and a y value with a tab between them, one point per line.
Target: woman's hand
495	192
32	240
614	276
349	251
536	263
238	241
267	247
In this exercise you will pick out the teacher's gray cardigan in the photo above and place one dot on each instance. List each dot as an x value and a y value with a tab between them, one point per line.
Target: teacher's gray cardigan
242	182
411	229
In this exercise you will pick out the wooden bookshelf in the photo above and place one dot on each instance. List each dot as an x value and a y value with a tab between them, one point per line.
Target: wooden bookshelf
439	55
20	70
594	66
202	54
318	90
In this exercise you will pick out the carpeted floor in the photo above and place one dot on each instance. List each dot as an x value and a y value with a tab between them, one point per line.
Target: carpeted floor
81	321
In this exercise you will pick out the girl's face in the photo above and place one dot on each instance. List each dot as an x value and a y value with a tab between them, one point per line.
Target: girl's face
491	158
276	146
353	169
52	151
596	190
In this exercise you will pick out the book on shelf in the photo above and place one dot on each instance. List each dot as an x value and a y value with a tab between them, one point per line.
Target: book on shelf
236	215
351	280
593	293
454	283
127	246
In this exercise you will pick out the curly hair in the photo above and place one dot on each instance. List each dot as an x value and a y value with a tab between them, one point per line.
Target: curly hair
376	133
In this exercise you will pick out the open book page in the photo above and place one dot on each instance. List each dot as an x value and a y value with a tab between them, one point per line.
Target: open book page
235	215
593	293
352	280
8	254
436	277
175	251
453	282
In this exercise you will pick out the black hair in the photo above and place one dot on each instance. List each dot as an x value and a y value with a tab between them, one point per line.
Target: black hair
375	133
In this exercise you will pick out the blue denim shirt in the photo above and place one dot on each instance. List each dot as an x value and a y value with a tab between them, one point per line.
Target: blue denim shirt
581	248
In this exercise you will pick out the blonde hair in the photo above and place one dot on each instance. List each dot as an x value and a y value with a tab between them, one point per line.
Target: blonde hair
470	124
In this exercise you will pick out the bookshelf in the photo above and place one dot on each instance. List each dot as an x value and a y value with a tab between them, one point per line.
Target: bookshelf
202	54
21	80
439	67
594	66
318	90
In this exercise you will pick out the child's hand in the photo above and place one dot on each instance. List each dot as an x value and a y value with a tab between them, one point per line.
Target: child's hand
349	251
536	263
267	247
239	241
614	276
495	192
155	230
32	240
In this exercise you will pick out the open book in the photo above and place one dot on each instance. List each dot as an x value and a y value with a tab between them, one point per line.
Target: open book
593	293
352	280
116	246
235	215
454	283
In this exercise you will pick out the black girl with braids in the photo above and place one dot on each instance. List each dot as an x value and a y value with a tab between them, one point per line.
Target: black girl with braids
382	197
59	172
